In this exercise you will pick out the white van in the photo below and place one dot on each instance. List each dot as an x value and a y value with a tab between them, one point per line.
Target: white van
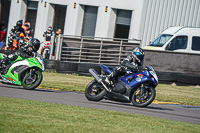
179	39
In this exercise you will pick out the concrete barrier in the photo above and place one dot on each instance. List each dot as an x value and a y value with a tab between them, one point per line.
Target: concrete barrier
173	62
170	66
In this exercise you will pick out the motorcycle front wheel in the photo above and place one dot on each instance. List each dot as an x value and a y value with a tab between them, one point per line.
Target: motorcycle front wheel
143	96
32	81
95	91
46	53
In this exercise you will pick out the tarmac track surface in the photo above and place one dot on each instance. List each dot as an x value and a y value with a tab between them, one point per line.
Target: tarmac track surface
179	113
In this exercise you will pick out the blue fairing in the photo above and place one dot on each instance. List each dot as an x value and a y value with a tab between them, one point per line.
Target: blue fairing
107	70
138	78
135	78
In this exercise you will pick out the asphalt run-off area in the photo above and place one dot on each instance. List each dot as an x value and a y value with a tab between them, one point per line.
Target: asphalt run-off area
190	114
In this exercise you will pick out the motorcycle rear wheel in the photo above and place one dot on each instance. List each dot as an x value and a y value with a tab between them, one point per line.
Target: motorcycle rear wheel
143	99
95	91
33	82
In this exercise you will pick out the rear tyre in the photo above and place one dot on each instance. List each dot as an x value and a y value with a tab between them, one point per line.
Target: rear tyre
47	54
95	91
143	96
31	82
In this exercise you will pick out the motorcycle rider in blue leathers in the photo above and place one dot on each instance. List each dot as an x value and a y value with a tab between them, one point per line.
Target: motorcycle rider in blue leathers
133	62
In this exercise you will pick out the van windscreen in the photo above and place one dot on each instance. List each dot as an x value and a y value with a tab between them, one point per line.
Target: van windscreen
161	40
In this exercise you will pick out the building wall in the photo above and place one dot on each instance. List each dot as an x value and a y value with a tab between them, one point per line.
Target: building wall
149	17
74	16
161	14
17	12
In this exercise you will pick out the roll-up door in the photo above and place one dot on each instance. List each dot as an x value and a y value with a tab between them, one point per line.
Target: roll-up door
32	7
59	17
124	17
4	11
123	23
89	22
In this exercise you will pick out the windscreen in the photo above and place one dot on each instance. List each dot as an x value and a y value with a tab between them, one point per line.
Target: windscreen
161	40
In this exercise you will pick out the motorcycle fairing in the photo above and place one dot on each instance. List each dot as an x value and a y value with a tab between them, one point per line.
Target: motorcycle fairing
132	79
107	70
120	87
15	70
19	63
12	74
136	78
2	55
35	62
47	44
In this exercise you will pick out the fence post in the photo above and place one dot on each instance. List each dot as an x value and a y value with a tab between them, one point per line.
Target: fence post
58	50
52	46
100	51
120	51
79	60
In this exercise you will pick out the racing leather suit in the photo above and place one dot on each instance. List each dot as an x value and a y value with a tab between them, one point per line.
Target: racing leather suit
16	31
128	63
24	52
48	35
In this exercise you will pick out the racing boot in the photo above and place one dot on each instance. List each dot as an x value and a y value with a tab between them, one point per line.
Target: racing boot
3	63
108	79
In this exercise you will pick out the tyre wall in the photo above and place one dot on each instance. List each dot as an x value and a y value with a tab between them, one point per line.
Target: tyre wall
173	62
174	67
170	66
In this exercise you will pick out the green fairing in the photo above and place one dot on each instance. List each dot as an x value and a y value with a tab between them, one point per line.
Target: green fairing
18	58
33	62
1	57
14	77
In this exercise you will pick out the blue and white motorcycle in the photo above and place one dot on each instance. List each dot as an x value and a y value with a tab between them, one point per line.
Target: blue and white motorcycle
135	87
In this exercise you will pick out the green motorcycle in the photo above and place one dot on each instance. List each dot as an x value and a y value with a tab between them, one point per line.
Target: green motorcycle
26	72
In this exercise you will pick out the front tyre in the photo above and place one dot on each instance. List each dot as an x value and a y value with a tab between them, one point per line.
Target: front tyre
32	81
143	96
95	91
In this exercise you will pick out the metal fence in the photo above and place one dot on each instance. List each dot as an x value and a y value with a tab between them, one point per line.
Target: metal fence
93	50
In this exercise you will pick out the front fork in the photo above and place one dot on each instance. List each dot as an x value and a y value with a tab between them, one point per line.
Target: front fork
32	72
31	78
143	91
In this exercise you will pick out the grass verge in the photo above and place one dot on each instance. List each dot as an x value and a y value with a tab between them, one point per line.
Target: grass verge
32	116
186	95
